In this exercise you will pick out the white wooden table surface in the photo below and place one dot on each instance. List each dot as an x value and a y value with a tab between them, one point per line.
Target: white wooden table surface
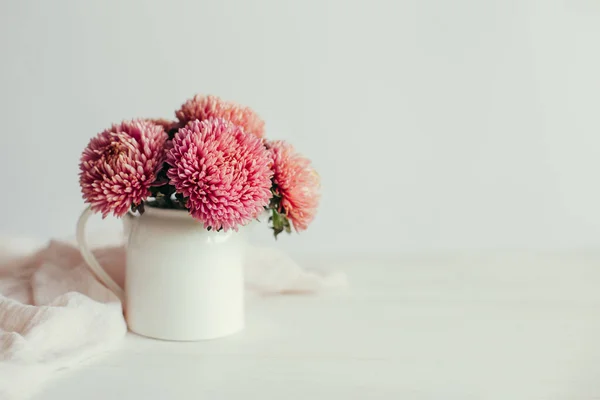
480	327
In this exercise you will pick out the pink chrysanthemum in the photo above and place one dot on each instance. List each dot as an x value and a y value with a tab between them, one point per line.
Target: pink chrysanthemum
224	173
120	164
296	182
166	124
204	107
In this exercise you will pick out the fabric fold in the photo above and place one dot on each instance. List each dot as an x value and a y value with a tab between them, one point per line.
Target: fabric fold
55	315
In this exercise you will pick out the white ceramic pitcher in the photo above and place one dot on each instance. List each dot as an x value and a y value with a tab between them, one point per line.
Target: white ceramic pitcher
182	282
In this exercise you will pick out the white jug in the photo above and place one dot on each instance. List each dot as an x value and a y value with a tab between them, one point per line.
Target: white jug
182	282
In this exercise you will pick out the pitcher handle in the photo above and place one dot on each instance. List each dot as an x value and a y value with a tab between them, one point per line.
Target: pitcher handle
91	260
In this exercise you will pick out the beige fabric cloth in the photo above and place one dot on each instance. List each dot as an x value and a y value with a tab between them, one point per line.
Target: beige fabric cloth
55	315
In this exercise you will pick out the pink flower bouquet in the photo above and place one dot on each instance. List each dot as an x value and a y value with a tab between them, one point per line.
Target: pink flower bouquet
213	161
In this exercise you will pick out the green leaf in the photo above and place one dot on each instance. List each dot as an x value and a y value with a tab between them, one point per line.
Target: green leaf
279	223
138	208
180	201
154	190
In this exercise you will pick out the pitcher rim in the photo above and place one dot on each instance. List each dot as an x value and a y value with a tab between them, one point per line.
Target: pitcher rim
166	212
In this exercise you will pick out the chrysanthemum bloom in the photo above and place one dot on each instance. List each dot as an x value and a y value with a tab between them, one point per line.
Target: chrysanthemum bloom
204	107
166	124
296	182
120	164
224	173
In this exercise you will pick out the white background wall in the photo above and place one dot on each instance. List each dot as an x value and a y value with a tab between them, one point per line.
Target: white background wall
435	124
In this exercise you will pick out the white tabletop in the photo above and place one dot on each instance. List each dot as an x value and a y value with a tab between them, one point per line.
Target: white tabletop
441	328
